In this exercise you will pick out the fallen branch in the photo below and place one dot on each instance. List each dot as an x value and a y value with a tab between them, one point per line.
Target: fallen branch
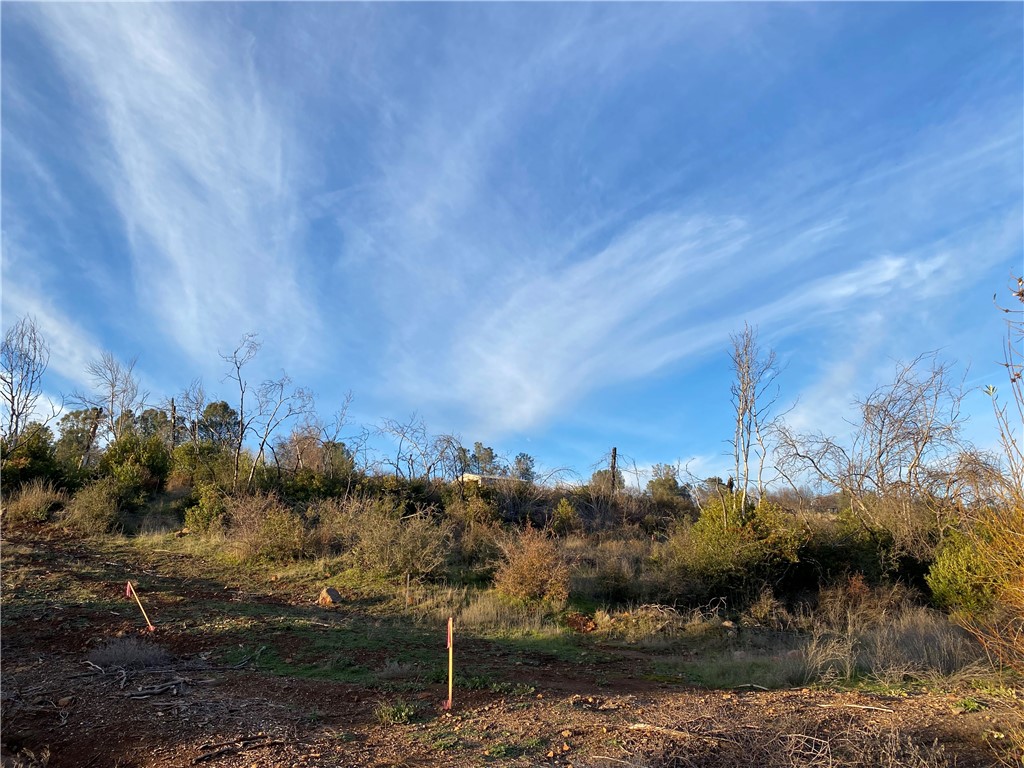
240	745
856	706
750	685
233	742
676	733
155	690
250	657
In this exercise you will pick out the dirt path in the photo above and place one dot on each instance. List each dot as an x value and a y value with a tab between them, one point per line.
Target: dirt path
260	676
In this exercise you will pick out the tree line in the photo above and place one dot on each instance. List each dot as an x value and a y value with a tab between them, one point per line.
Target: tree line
903	496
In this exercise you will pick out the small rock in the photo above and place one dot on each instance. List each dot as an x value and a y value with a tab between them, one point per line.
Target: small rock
566	734
65	702
329	596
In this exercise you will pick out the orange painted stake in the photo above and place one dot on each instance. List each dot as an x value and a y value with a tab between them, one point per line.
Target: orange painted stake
451	661
129	591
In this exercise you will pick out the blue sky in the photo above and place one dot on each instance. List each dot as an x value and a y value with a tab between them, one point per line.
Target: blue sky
535	225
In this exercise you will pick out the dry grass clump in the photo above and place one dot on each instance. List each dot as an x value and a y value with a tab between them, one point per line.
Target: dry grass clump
658	626
129	653
488	612
532	569
26	759
883	633
613	568
483	610
33	503
96	509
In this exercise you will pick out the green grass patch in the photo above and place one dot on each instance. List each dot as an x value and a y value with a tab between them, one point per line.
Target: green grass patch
725	672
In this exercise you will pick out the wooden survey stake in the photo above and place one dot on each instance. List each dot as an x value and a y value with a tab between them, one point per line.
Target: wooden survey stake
451	661
129	591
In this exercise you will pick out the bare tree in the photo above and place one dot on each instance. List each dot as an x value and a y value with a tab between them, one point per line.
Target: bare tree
418	454
241	356
754	394
899	468
116	394
276	403
23	361
191	404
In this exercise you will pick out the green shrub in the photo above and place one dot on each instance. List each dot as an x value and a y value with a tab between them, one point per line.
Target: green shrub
33	457
140	465
208	510
397	712
565	519
719	555
33	502
96	509
205	463
133	482
960	579
532	569
262	528
388	544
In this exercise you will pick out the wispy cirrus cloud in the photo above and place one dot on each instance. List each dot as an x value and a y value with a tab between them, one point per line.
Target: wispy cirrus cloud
506	214
198	161
511	308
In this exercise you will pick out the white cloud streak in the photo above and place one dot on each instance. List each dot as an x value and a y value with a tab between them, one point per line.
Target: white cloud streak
190	149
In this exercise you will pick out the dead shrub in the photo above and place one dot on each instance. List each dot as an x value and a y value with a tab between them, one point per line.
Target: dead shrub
767	611
376	537
615	568
33	503
531	569
129	653
477	549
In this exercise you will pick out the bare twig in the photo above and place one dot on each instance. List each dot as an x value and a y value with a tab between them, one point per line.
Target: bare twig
676	733
239	745
856	706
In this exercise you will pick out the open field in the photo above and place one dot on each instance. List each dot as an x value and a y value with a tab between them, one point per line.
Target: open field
257	674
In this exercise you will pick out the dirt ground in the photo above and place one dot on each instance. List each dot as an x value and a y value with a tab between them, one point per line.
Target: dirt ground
225	696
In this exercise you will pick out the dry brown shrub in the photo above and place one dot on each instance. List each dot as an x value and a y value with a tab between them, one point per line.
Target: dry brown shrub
26	758
33	502
532	569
